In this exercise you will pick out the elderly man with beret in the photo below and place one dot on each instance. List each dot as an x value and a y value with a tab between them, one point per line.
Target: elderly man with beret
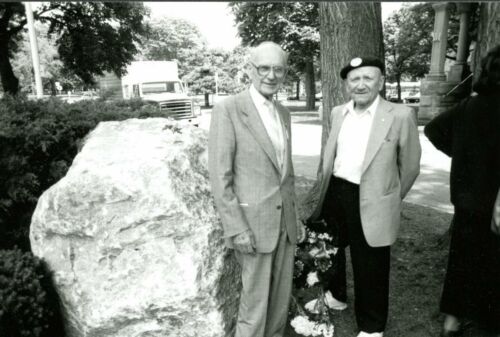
371	160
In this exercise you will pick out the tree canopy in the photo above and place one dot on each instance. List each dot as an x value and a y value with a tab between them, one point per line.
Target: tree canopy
51	68
293	25
91	37
227	67
408	40
173	39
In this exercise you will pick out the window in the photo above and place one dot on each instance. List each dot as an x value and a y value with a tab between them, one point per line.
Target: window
161	87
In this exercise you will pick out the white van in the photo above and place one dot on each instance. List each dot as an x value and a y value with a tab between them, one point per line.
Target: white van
158	81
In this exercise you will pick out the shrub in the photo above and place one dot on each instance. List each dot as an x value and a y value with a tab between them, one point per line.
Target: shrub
38	141
29	306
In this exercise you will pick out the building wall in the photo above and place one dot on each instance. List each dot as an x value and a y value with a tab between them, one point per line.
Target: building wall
110	86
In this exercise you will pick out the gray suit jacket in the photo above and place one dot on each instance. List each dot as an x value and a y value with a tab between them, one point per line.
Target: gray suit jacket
390	167
249	188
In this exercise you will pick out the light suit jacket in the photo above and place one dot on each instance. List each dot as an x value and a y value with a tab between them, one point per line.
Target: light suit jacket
250	190
390	167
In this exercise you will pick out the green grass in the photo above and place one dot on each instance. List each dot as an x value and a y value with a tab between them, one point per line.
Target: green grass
418	265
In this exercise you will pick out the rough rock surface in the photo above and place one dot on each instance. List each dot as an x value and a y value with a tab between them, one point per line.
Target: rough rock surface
133	239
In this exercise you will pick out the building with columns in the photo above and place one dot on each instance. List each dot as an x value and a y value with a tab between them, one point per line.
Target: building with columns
440	90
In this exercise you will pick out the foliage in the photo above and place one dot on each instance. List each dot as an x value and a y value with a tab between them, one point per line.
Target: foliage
293	25
91	37
51	67
29	306
313	269
229	67
173	39
408	40
39	141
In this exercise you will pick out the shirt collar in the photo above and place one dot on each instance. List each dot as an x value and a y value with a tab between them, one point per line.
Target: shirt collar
257	97
349	107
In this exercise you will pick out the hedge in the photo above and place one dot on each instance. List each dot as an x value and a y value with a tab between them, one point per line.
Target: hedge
38	141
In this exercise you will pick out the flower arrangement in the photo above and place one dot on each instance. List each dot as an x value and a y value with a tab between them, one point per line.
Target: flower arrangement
314	266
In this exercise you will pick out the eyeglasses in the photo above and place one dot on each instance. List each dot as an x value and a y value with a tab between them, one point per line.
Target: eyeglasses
264	70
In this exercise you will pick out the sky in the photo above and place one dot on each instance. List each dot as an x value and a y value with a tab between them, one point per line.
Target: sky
215	21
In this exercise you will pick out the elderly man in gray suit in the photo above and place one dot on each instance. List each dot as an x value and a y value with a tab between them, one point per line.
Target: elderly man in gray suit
371	159
251	174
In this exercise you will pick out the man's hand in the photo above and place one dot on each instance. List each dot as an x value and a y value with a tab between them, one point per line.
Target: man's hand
244	242
495	219
301	231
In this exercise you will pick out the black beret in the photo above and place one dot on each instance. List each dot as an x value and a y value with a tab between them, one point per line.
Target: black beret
359	62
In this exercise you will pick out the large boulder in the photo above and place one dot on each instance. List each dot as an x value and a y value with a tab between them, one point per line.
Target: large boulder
133	238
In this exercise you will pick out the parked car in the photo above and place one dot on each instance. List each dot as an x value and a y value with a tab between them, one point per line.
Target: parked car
392	98
412	98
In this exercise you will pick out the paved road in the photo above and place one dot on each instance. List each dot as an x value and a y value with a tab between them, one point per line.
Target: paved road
431	188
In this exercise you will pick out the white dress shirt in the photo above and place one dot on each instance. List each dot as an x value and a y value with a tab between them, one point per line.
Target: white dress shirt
272	122
352	142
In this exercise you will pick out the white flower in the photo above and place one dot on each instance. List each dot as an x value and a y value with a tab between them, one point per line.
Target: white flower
311	306
325	330
332	251
325	236
312	279
302	325
313	252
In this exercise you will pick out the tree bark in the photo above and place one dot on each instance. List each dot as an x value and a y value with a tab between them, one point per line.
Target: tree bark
53	90
489	32
310	85
347	30
10	83
297	91
207	100
398	83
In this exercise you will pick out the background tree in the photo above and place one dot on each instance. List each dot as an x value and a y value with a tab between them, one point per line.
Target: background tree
92	37
173	39
229	67
293	25
408	41
51	68
408	44
347	29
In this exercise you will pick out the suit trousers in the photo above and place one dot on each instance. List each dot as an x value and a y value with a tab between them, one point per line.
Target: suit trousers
370	265
267	287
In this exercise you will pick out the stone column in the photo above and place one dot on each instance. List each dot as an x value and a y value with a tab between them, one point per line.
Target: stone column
457	70
439	40
463	8
434	87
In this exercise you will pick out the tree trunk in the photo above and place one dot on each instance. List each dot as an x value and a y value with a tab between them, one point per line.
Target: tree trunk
489	32
207	101
398	86
347	30
10	83
297	91
53	89
310	85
